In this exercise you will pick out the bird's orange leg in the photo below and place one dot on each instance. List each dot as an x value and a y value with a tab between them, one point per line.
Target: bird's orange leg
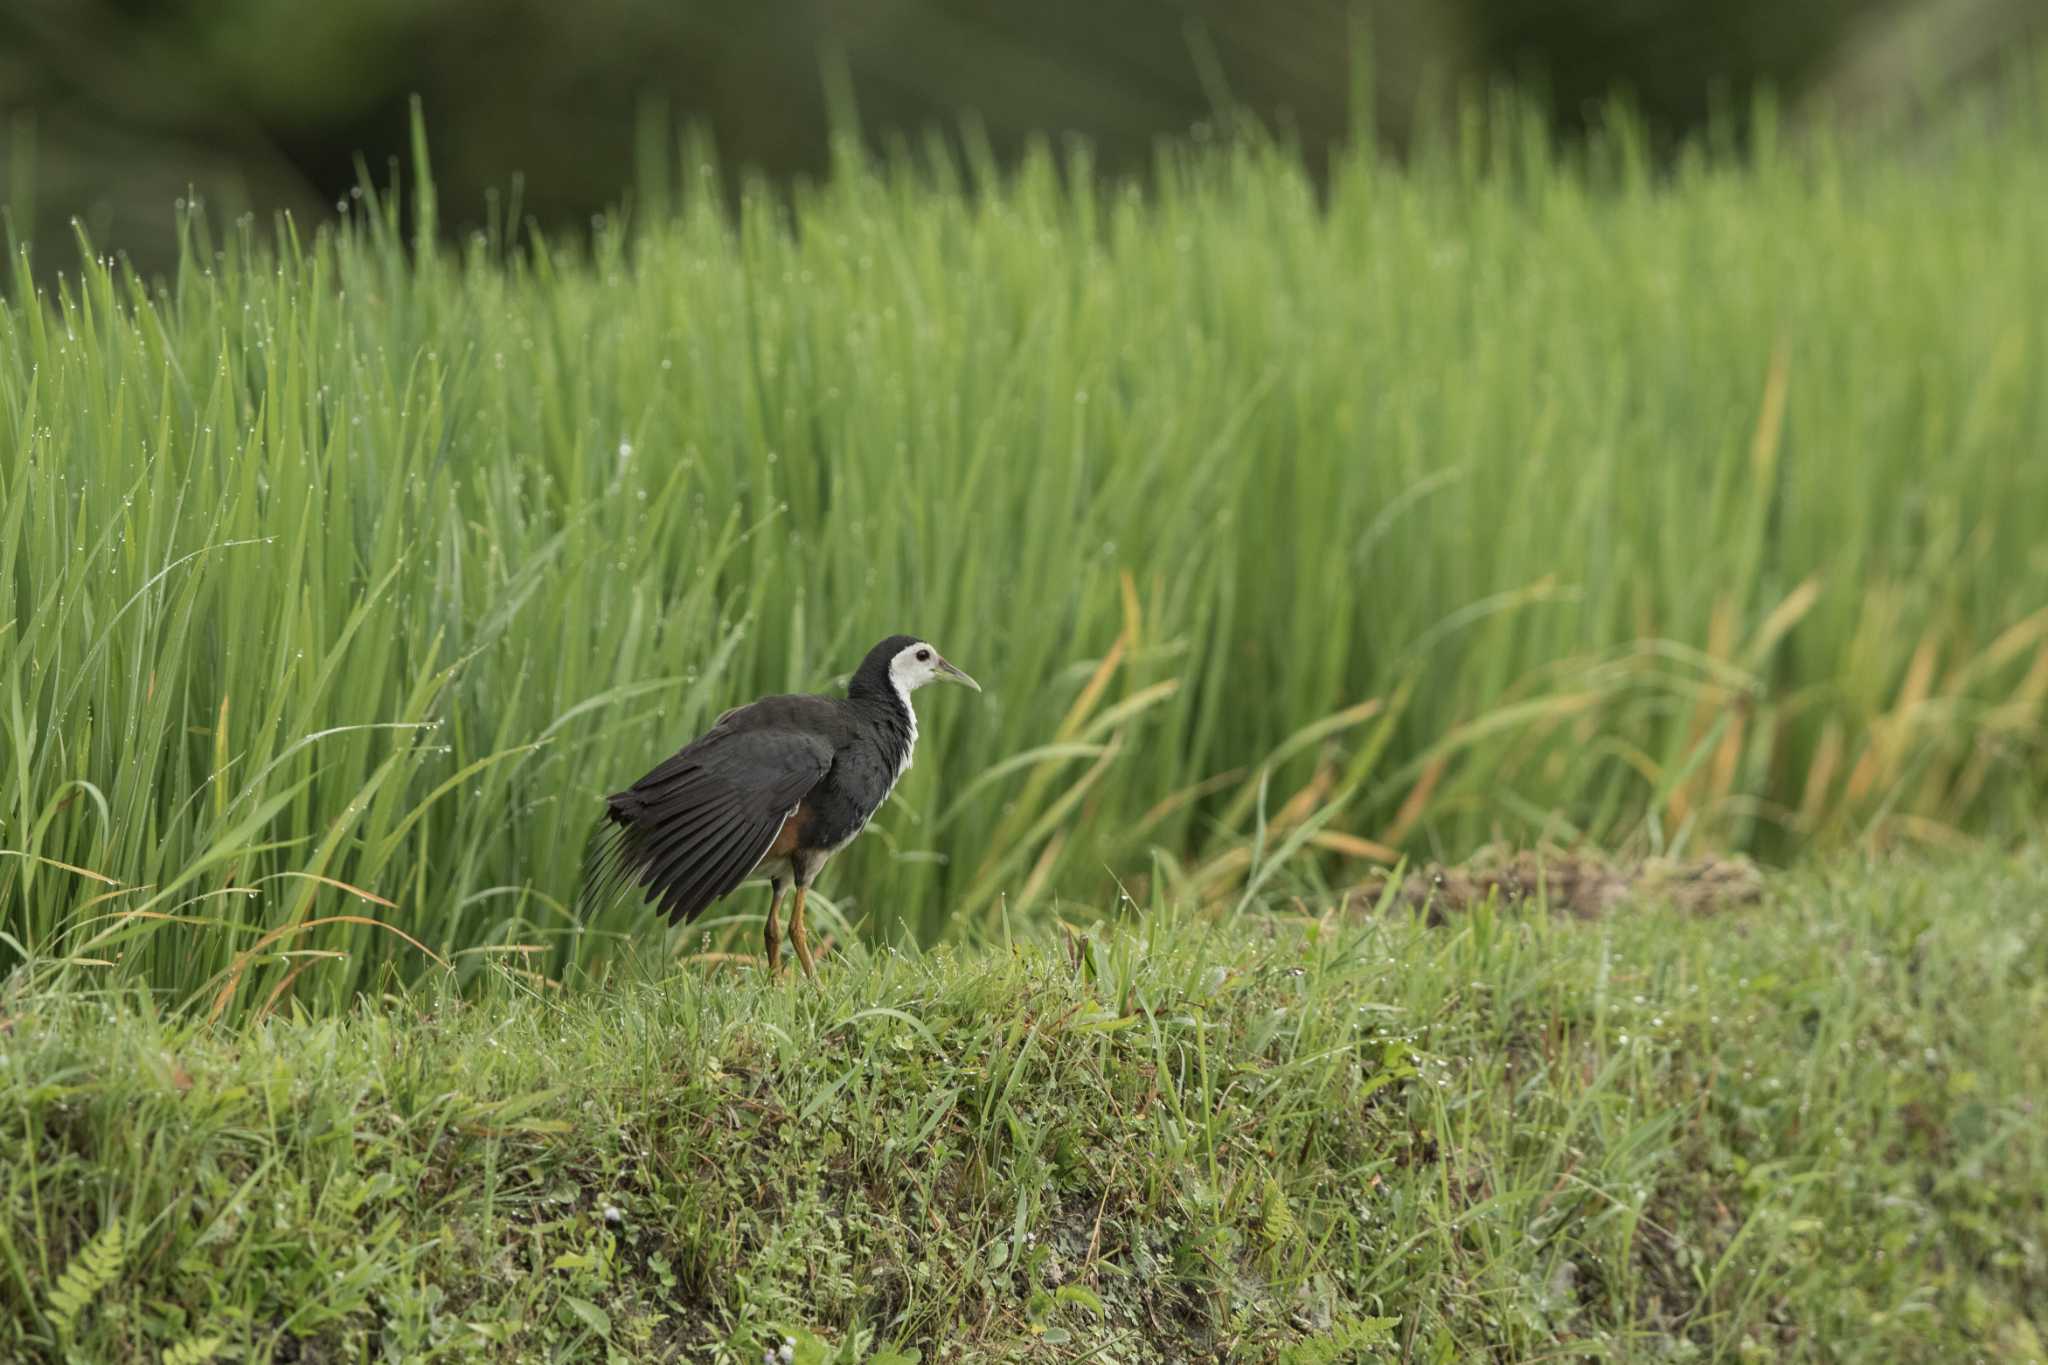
772	937
799	935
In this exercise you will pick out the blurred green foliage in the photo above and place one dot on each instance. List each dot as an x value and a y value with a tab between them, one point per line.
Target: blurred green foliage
112	108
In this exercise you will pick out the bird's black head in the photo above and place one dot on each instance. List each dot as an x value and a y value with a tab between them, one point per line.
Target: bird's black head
899	666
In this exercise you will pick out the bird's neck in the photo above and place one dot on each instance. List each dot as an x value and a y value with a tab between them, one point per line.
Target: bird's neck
886	699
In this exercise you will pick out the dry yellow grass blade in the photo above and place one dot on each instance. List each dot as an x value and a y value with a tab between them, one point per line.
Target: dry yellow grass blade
1727	760
115	894
1783	617
1315	732
2013	641
1007	854
1918	684
277	992
1558	708
1417	801
1091	691
220	760
1351	846
1820	775
2021	713
1713	699
337	885
1877	769
242	959
1724	771
1970	781
1768	439
1005	835
1141	700
1126	641
1088	721
1299	806
1133	618
1210	876
1192	792
1356	714
533	977
1208	879
1041	871
1863	778
1922	830
2033	688
1430	768
713	959
1640	762
1721	629
99	877
1302	807
121	917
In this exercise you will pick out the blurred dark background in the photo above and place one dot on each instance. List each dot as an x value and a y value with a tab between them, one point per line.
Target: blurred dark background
110	109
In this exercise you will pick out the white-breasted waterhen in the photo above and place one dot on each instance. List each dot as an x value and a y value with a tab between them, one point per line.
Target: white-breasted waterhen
776	786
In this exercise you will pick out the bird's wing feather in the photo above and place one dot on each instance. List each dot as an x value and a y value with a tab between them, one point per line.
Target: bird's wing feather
699	823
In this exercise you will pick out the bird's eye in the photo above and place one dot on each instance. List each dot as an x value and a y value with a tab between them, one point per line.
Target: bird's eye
924	656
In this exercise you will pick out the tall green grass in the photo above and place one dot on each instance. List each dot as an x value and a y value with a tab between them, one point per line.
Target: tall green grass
1510	494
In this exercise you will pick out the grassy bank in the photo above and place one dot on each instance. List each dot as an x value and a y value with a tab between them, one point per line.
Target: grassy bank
1808	1131
1496	495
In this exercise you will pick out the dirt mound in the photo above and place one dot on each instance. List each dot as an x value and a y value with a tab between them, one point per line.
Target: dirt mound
1575	883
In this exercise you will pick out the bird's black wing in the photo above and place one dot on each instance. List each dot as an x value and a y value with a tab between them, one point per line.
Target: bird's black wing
695	827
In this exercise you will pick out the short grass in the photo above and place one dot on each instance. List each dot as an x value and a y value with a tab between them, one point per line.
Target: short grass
1508	493
1810	1131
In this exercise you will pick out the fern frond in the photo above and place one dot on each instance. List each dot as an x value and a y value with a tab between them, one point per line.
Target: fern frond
197	1351
1348	1340
97	1265
1276	1218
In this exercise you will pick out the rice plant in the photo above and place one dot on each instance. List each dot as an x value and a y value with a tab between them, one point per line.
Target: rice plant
1291	524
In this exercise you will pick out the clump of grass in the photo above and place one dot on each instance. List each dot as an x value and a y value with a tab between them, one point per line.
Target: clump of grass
1808	1131
1507	495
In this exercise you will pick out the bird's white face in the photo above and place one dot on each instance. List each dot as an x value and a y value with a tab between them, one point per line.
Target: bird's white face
915	665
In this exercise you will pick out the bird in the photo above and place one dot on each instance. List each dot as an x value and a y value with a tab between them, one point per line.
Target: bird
776	786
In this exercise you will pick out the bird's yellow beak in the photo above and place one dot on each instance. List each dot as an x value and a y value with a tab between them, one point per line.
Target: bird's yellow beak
947	673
